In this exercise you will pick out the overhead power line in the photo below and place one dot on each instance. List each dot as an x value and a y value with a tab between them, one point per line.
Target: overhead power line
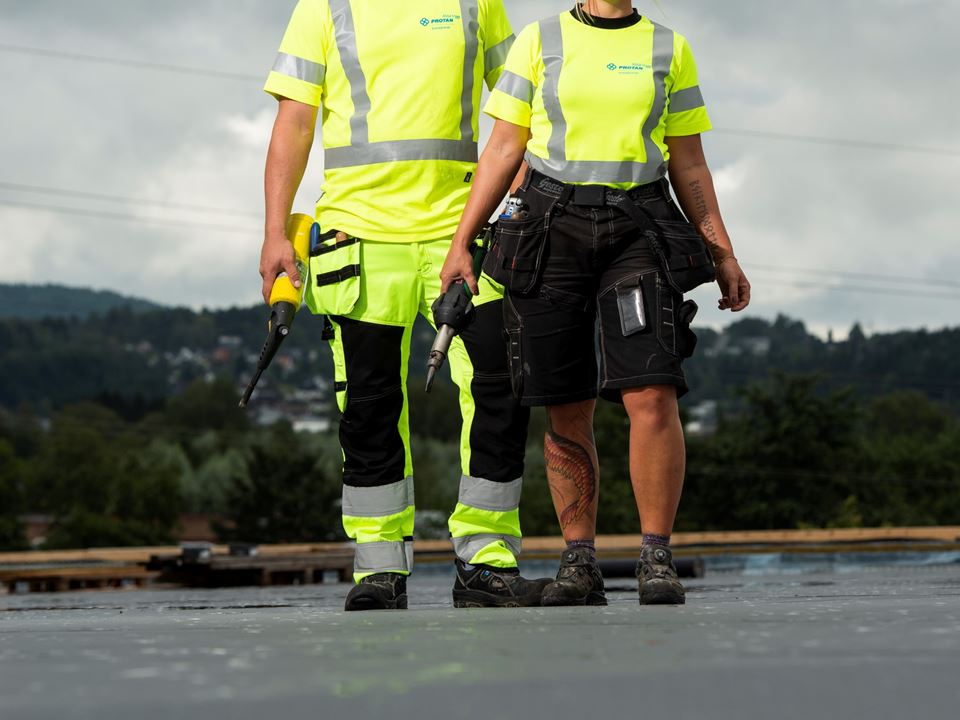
128	217
840	142
788	269
245	77
252	230
127	63
876	290
42	190
896	279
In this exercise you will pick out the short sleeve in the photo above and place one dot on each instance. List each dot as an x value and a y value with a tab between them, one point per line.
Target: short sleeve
512	96
498	38
687	112
301	67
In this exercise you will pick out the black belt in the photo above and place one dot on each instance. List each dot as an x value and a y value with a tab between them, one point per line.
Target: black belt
593	195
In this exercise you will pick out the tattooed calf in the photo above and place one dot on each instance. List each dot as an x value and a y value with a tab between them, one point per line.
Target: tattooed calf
569	461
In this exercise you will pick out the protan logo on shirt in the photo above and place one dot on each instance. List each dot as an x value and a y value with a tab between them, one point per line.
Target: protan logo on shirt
629	69
444	22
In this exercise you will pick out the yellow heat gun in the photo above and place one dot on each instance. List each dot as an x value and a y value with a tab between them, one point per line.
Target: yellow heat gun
285	299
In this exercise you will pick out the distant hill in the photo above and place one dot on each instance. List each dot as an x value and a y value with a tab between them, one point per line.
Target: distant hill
142	354
34	302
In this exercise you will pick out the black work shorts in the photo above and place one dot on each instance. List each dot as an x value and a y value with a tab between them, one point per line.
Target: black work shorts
599	296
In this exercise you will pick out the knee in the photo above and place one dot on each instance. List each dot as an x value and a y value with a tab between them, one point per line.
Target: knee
652	408
572	419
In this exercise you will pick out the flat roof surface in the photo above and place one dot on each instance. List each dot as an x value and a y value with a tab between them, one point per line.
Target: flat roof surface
860	642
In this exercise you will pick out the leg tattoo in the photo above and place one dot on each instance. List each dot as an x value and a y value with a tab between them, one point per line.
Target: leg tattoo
570	468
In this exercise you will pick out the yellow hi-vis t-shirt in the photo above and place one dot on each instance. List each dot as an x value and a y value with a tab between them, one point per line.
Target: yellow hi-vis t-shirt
400	87
598	101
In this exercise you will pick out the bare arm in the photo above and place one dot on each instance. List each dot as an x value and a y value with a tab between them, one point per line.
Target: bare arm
501	159
287	158
692	182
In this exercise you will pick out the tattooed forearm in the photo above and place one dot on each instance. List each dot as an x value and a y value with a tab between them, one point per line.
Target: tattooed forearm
572	474
703	219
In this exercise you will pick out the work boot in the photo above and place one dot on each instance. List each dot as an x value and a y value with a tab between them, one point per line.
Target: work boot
382	591
657	576
578	582
487	586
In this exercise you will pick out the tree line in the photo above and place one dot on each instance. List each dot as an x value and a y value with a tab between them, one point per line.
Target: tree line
795	452
55	361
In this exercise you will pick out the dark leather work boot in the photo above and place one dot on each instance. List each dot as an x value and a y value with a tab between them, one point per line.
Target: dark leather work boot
382	591
579	581
659	584
488	586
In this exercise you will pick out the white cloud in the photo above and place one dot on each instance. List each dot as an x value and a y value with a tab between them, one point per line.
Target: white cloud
819	68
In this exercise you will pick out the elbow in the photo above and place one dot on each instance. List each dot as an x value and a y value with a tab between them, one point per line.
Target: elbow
306	134
679	169
506	155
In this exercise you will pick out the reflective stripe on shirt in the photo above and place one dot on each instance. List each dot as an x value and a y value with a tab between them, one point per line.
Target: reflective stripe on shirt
299	68
361	151
587	171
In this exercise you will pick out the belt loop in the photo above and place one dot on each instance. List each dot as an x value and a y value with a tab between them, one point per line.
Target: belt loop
565	196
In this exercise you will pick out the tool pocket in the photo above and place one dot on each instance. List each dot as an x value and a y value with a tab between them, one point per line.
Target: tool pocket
333	287
686	338
683	254
516	257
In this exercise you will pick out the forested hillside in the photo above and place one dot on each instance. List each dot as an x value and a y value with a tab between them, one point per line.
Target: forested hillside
30	302
153	354
114	424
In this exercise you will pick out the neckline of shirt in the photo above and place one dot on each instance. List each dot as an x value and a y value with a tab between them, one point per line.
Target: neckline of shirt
608	23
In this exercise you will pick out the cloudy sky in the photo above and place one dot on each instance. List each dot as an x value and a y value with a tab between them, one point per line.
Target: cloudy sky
148	181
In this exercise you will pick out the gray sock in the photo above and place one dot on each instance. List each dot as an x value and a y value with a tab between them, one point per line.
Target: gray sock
651	539
590	546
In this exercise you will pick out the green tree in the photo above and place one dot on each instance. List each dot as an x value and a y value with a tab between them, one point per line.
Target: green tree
285	497
914	462
784	463
11	498
207	406
102	485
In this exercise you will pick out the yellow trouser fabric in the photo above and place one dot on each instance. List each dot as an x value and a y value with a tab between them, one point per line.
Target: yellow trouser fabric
396	282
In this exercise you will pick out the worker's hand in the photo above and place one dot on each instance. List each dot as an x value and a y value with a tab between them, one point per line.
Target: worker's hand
458	266
734	286
277	257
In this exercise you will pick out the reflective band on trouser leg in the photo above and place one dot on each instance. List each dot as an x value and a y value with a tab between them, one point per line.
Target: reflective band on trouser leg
485	526
380	519
600	171
378	501
363	152
378	497
379	557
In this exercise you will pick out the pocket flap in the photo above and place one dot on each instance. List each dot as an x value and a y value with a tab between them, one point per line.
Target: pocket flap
336	276
682	262
323	248
333	287
676	229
